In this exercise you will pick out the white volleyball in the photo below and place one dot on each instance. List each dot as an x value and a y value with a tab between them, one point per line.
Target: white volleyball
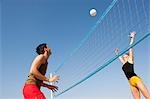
93	12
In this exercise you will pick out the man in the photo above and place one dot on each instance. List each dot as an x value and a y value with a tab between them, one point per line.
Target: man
37	73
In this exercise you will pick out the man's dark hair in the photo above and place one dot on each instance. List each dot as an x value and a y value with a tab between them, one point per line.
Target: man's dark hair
40	48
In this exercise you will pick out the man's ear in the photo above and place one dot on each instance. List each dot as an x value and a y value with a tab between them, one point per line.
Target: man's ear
45	49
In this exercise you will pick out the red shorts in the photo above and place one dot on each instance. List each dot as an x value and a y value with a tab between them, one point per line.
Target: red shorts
31	91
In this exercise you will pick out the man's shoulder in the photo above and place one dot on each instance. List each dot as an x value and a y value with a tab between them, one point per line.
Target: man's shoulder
40	57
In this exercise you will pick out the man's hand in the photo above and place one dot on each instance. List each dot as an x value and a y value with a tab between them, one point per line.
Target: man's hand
52	87
55	78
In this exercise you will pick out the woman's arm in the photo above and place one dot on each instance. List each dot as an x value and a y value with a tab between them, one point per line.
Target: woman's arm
132	35
120	57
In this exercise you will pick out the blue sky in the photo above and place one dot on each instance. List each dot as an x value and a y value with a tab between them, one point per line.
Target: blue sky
62	25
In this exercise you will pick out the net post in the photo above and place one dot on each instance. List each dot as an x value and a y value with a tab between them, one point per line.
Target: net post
52	96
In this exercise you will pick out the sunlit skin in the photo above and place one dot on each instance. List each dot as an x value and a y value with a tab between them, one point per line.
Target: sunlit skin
140	87
37	73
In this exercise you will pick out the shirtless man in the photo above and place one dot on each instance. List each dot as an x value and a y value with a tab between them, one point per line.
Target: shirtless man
31	89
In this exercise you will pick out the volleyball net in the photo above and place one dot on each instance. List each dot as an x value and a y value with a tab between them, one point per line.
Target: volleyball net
96	50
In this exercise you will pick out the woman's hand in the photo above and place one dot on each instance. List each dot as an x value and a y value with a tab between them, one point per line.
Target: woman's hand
116	51
132	34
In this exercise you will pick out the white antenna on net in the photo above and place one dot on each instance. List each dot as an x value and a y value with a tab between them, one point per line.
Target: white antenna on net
52	96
